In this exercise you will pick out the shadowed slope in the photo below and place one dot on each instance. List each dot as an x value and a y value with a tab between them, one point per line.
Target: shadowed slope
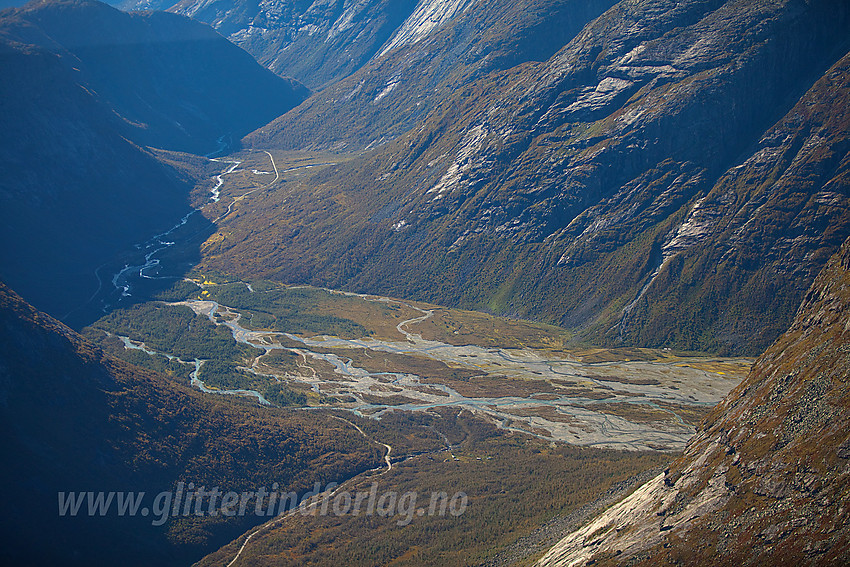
74	419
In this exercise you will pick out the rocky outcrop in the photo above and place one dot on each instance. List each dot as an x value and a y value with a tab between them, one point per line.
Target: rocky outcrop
766	480
317	42
431	61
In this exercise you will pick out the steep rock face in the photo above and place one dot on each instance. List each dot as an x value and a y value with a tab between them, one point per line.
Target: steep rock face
658	180
767	226
142	5
428	16
766	480
74	419
315	41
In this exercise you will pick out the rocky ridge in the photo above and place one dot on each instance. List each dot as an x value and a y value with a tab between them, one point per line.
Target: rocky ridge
427	67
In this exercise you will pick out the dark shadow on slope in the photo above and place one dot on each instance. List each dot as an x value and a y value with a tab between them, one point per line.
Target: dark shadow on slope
142	273
74	419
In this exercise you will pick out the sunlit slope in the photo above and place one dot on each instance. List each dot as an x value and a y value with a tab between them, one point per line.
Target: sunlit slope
765	480
675	175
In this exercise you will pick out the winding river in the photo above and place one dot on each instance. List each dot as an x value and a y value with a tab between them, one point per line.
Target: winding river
556	416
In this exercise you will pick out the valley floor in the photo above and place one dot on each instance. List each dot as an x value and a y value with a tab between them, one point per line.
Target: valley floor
369	355
456	398
400	355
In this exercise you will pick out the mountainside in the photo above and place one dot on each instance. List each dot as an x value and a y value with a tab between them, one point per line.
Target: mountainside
69	181
657	181
17	3
669	174
139	5
433	62
320	42
315	41
766	480
75	420
175	83
85	88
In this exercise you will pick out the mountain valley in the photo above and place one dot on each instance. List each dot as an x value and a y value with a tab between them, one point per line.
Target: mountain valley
578	265
78	120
